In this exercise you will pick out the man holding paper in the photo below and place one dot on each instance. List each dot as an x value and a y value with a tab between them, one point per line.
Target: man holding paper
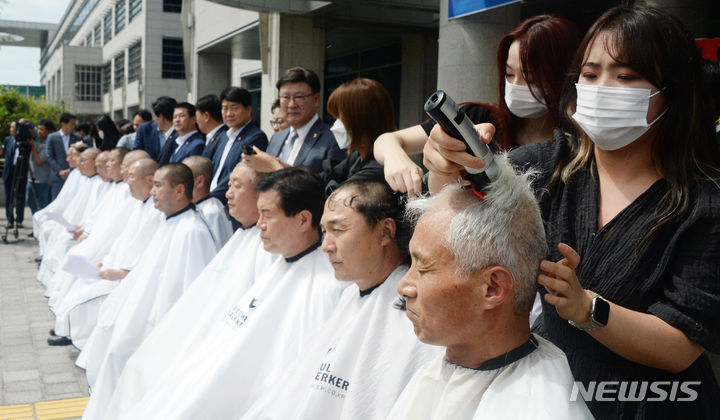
76	308
141	300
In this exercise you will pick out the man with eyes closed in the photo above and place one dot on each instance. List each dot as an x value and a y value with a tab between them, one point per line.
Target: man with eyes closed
359	363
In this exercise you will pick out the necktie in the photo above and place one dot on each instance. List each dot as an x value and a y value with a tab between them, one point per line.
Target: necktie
287	148
167	151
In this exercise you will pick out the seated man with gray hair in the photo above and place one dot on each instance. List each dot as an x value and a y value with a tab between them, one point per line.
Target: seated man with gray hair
470	289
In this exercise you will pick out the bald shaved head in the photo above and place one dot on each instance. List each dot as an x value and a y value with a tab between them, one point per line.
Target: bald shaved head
202	170
146	167
86	162
130	158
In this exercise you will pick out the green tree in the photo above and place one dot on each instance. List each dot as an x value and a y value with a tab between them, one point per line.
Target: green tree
14	105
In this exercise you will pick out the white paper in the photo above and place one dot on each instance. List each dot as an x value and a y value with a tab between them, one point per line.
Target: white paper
79	266
56	216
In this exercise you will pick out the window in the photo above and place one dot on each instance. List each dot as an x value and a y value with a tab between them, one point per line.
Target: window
106	76
134	9
87	83
173	60
107	28
253	84
119	16
172	6
97	35
88	40
134	61
119	69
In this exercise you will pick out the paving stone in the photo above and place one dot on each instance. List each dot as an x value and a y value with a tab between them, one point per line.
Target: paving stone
56	378
22	386
20	375
22	397
52	390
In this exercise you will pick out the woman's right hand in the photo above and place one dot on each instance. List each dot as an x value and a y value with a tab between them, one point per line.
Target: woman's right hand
446	156
403	175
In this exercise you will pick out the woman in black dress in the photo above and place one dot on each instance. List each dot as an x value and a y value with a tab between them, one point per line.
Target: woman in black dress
531	63
631	204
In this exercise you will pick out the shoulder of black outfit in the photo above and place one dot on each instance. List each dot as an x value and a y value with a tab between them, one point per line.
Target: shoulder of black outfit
334	173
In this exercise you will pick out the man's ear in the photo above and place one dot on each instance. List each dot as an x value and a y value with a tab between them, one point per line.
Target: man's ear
304	219
387	230
498	285
199	180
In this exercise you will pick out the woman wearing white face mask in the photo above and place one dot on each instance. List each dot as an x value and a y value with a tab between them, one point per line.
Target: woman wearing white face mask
636	193
531	64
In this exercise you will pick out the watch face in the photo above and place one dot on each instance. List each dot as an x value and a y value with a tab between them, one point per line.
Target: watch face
600	311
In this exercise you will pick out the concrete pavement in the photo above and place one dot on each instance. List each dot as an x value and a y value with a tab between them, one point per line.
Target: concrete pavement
31	370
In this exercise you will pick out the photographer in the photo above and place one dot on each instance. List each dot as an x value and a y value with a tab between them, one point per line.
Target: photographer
39	183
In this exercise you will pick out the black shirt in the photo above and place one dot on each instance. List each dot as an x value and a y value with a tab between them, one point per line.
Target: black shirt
674	275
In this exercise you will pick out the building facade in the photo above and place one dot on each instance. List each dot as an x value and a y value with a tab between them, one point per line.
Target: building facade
115	56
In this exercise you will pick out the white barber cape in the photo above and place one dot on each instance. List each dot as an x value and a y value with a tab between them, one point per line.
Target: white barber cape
76	311
214	212
57	235
251	340
115	202
60	203
178	252
356	367
228	276
532	381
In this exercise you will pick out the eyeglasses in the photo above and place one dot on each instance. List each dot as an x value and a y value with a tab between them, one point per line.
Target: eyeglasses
278	121
299	98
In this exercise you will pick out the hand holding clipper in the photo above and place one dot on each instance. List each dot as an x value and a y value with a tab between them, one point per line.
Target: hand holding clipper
444	111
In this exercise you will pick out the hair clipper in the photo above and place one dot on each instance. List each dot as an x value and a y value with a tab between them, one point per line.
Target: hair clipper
444	111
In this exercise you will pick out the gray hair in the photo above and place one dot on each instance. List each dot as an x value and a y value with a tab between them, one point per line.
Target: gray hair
503	229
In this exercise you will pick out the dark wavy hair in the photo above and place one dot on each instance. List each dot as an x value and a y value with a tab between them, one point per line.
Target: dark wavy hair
547	46
658	47
376	201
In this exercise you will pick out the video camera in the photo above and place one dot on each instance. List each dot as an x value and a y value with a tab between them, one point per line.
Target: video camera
23	135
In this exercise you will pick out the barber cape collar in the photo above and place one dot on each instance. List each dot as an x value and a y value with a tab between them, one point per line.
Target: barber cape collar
186	208
508	358
297	257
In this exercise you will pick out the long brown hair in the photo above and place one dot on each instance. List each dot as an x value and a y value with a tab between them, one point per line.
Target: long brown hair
657	46
365	109
547	46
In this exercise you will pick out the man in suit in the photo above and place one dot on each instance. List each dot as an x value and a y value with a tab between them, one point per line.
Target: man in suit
208	114
57	146
236	108
9	151
151	136
188	141
308	141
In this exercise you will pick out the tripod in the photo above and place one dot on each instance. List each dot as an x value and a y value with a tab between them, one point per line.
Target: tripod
19	180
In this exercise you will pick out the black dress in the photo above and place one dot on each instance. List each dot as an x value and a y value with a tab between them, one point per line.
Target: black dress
334	174
674	275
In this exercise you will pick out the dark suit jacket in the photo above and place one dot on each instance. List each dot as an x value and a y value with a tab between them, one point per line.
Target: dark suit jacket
211	144
9	153
250	135
147	138
57	155
193	145
319	144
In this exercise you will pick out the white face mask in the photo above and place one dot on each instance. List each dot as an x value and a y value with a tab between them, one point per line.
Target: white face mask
101	135
521	102
613	117
338	130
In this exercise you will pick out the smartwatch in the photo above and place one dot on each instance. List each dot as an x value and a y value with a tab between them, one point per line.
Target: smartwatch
599	314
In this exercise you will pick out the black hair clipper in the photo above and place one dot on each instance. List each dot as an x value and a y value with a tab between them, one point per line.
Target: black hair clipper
441	108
